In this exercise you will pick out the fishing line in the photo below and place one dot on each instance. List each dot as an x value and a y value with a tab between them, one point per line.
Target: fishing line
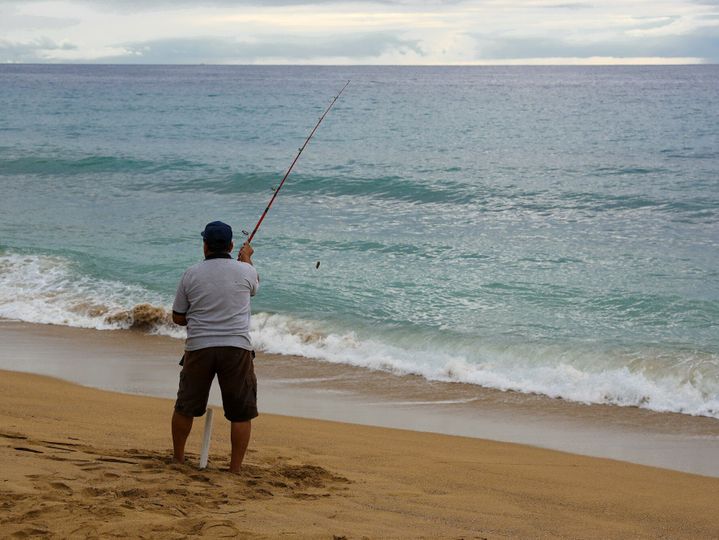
289	170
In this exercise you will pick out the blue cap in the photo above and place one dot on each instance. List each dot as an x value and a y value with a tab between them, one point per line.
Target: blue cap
217	234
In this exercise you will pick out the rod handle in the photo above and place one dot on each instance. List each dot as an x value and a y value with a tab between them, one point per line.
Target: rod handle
205	453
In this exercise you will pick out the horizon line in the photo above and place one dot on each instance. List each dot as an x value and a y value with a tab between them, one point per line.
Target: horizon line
458	65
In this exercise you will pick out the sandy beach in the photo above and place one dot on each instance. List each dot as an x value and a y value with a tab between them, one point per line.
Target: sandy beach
138	363
90	463
81	462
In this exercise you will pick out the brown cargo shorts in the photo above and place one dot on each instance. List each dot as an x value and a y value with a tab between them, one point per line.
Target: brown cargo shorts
236	374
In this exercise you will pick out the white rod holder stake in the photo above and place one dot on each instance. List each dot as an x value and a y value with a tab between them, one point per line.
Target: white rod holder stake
204	454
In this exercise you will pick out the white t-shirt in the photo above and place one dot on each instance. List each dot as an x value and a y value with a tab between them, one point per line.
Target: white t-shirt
215	296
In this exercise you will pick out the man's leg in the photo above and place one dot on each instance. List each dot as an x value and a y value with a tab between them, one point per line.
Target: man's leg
238	384
194	389
181	427
240	438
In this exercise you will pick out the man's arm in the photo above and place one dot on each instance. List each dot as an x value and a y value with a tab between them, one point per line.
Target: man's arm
179	318
245	255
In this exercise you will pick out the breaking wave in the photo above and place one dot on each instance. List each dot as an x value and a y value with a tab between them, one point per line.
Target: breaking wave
50	290
568	373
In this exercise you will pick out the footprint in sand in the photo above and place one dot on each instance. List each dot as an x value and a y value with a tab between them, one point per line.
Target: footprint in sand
116	460
26	449
32	514
60	443
220	529
58	458
94	492
309	496
105	512
60	448
134	493
84	531
261	493
61	486
201	478
278	484
92	467
13	436
177	491
31	532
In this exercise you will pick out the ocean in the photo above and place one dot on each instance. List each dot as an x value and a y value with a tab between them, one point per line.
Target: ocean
546	230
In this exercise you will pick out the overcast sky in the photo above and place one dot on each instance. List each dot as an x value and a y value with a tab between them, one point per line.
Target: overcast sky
360	32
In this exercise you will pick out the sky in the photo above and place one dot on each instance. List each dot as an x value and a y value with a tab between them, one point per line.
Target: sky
389	32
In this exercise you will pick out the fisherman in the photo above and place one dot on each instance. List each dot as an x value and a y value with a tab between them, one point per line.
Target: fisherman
213	301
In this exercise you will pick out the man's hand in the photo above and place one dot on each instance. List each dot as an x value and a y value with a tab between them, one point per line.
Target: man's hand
245	254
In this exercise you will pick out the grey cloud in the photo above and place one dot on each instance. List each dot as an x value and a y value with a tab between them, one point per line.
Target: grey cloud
701	44
655	22
570	5
144	5
221	50
14	21
30	51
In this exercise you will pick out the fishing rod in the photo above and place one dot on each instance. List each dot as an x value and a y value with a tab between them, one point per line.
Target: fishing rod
299	153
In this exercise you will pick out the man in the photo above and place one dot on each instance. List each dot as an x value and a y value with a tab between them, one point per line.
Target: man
213	301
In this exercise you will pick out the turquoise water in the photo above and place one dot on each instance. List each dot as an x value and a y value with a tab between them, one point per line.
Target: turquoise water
550	230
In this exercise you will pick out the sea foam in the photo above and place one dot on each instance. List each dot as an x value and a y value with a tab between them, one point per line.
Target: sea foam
50	290
576	374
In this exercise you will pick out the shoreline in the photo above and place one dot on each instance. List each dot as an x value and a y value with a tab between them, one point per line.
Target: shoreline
136	363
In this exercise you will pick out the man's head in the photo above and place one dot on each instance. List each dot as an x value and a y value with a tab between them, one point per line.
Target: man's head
217	237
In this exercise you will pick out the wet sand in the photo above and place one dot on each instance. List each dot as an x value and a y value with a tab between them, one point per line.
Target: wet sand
137	363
